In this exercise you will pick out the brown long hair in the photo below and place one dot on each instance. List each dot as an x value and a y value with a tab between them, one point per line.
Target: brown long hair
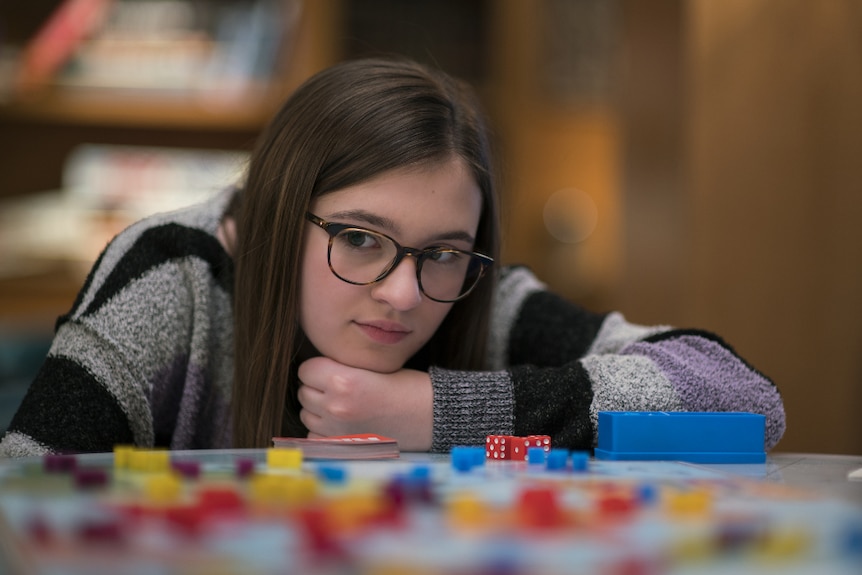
343	126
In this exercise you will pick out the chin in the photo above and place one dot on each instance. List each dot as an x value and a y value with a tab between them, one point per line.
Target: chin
372	362
378	364
383	366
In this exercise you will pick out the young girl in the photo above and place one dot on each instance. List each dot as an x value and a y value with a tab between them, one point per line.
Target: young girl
351	286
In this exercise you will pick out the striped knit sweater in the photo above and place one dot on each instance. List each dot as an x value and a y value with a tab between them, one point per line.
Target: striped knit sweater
145	357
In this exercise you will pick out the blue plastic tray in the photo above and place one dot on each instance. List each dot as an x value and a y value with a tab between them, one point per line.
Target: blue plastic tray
696	437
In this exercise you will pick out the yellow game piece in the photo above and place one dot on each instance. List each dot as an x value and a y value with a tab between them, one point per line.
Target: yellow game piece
123	456
784	543
694	502
352	511
693	547
284	458
282	489
163	488
265	488
466	510
150	460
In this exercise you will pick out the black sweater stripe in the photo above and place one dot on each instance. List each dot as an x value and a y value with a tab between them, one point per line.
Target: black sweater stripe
157	246
548	330
67	409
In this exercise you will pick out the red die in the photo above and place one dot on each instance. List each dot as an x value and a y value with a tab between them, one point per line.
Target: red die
519	446
497	446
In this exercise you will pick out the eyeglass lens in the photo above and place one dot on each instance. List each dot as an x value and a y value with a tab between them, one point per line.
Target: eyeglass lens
362	256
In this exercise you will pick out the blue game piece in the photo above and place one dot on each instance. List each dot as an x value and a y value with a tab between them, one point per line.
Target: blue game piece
696	437
419	471
465	458
557	459
851	541
580	460
536	456
332	473
647	493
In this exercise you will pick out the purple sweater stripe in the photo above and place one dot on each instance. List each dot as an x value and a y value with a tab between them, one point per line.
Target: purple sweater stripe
708	377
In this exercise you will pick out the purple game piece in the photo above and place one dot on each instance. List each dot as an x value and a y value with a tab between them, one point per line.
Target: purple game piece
90	477
244	467
57	463
188	469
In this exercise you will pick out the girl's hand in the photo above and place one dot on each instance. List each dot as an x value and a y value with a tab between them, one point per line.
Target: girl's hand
341	400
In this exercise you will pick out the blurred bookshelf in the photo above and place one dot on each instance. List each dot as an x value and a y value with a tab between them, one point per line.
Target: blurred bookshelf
220	64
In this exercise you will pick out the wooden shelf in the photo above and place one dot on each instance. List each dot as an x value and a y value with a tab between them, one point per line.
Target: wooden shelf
114	107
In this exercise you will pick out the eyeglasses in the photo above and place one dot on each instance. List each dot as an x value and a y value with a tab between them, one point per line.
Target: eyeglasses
361	257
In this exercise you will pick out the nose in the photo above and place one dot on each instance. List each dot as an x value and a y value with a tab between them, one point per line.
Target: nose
400	289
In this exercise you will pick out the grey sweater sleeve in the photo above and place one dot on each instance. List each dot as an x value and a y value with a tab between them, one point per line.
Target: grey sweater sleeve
144	356
557	365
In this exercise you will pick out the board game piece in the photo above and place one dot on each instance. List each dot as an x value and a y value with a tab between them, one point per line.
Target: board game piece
615	504
514	448
557	459
162	487
466	457
497	446
688	502
580	461
244	467
647	493
332	474
284	458
539	507
698	437
150	460
535	456
188	469
90	477
59	463
123	456
222	500
466	511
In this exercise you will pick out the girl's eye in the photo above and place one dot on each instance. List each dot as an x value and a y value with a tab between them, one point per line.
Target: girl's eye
357	239
444	256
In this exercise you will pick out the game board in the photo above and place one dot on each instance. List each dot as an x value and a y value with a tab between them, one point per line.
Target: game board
273	511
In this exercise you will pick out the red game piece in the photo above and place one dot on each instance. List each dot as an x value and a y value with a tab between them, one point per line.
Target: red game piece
615	504
520	445
188	518
40	530
220	500
497	446
510	447
539	507
109	531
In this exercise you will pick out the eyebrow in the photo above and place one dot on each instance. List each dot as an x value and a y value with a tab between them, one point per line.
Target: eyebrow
389	225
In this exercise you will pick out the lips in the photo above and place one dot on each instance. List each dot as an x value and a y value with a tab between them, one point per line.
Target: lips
387	333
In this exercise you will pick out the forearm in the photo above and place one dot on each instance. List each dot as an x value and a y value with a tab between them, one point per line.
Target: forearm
468	406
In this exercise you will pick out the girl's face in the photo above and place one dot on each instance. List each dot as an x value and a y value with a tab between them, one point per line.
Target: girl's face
380	326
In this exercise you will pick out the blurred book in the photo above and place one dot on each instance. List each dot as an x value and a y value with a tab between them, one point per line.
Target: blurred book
361	446
179	46
57	40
